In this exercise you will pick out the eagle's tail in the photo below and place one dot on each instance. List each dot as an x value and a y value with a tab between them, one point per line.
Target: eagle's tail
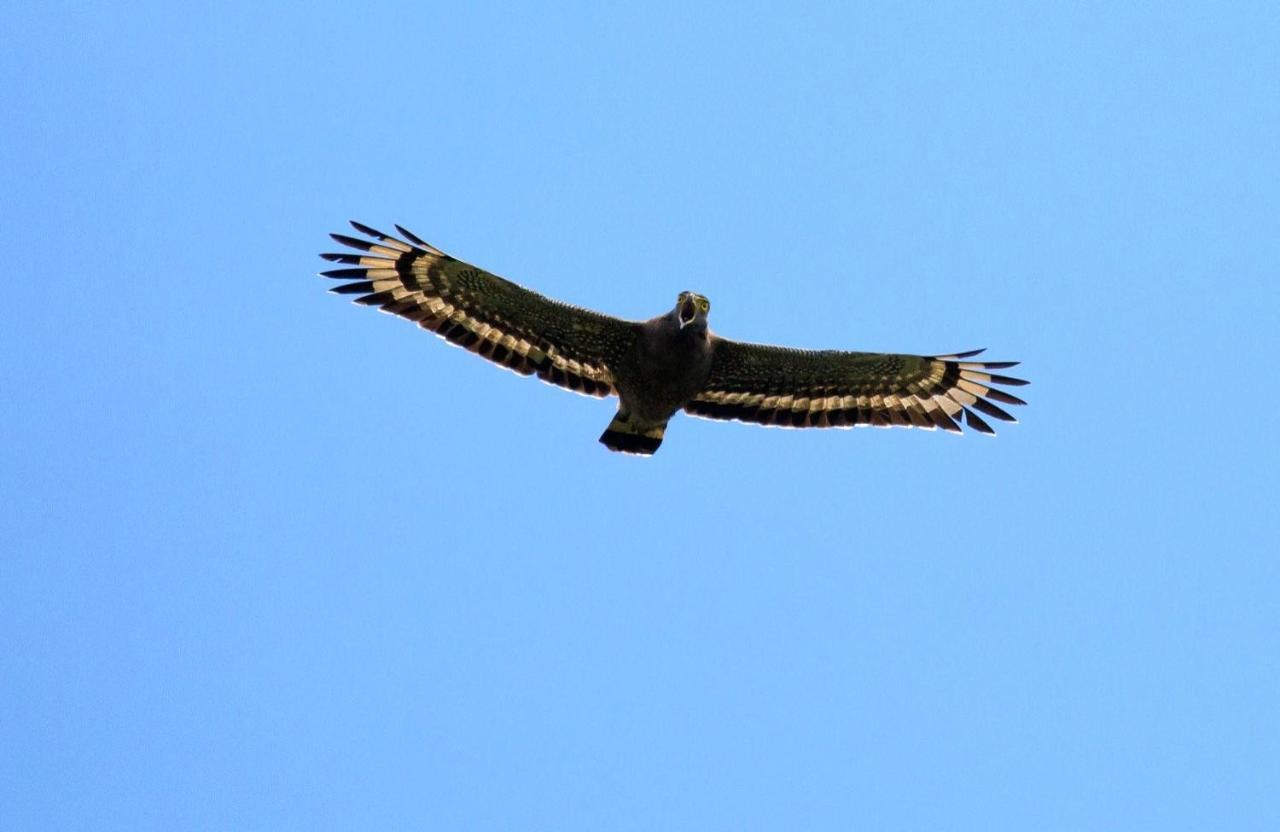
627	435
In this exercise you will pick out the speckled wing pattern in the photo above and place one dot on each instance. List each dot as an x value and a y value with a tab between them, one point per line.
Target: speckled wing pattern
481	312
802	388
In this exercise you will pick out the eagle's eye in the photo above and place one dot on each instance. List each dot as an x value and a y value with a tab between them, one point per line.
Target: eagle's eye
704	304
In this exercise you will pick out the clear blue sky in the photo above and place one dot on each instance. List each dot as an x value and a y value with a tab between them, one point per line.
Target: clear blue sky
272	561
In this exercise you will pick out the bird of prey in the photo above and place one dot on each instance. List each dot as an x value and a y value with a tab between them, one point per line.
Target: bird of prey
673	361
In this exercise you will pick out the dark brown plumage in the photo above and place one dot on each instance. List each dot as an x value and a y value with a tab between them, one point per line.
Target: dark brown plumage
670	362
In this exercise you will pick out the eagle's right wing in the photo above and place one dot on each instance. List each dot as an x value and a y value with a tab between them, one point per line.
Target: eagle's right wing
505	323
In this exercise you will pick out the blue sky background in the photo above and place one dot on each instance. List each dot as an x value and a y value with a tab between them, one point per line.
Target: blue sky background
272	561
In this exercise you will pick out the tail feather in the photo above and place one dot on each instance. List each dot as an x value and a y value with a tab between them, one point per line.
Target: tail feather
628	438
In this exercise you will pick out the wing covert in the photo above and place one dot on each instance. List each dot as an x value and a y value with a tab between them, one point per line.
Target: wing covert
481	312
771	385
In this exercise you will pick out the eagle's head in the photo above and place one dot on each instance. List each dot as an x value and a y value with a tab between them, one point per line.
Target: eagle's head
692	307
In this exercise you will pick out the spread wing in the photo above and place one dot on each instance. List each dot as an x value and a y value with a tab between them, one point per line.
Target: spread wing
507	324
802	388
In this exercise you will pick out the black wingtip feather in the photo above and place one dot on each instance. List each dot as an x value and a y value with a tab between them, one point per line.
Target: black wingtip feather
1009	381
411	237
364	229
1003	397
345	274
969	354
975	421
363	287
993	411
353	242
376	299
944	421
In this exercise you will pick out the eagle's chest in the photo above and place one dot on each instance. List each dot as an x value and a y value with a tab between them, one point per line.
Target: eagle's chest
666	370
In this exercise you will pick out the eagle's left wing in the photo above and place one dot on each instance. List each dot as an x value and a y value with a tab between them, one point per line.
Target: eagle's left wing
805	388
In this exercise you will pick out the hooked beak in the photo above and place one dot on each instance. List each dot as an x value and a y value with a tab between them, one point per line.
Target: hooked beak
688	311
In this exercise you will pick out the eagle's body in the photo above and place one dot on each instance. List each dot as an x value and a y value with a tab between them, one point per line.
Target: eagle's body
668	365
670	362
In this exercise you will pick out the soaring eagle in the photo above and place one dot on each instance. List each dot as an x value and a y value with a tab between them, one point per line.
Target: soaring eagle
673	361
